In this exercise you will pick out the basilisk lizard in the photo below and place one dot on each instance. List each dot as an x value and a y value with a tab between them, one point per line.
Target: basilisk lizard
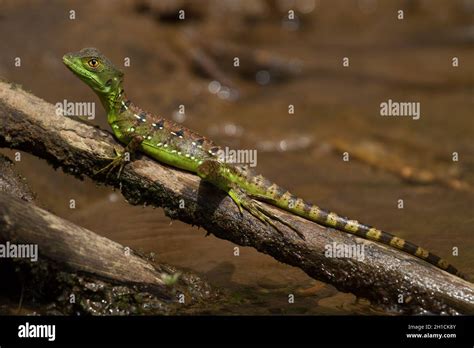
170	143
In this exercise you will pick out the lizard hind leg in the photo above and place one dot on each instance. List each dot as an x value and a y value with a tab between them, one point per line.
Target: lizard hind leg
254	207
220	175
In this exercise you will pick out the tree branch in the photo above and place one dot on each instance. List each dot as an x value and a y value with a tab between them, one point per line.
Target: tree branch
384	275
73	246
71	258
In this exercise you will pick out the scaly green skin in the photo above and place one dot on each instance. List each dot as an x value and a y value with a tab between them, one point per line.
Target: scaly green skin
182	148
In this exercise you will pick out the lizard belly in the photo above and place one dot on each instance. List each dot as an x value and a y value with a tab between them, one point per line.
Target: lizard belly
160	141
170	156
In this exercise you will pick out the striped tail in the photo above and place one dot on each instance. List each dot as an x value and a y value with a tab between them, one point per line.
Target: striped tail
287	201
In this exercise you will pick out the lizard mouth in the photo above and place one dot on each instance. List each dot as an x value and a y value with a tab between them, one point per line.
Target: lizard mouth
70	64
67	60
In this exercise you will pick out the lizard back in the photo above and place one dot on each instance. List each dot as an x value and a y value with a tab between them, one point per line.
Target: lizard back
163	139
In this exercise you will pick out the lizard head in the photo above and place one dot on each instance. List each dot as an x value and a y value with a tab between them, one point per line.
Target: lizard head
94	69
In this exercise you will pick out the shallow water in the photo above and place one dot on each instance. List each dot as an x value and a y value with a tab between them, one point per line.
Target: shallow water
406	60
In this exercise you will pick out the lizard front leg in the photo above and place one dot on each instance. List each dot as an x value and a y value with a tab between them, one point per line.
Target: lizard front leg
122	157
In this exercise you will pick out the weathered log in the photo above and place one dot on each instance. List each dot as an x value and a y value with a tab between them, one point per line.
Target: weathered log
12	182
72	259
384	275
75	247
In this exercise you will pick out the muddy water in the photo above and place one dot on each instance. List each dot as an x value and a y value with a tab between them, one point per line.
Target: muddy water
408	60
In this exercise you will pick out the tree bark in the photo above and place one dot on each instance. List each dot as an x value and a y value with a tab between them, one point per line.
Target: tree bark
384	276
72	246
72	259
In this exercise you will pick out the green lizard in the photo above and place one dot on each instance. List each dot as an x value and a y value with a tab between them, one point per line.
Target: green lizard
170	143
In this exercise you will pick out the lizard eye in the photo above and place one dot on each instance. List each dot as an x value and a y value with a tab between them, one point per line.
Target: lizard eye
93	63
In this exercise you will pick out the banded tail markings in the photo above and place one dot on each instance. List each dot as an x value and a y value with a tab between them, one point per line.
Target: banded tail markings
397	243
374	234
352	225
314	212
330	219
422	253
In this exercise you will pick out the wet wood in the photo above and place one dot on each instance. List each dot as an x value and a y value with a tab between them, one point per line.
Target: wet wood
72	246
81	259
384	275
12	183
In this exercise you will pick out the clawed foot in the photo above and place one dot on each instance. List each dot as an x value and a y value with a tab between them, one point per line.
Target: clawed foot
118	161
255	208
